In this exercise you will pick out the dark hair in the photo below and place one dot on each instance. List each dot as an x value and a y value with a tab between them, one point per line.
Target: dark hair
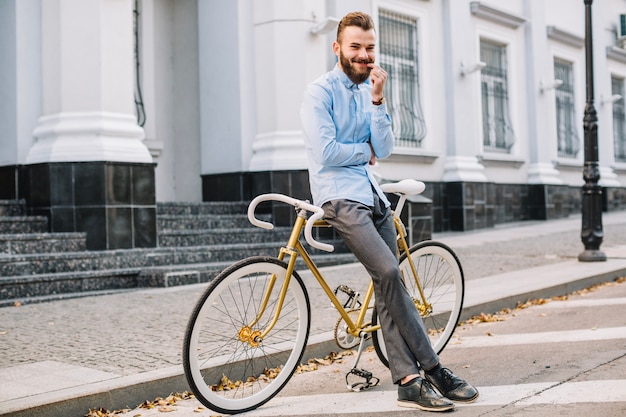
359	19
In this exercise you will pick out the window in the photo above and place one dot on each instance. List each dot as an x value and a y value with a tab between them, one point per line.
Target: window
619	120
567	133
498	132
399	57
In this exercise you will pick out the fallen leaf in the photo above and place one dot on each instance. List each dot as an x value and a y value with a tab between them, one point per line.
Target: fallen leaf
166	409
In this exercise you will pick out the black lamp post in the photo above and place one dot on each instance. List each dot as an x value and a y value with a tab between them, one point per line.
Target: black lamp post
591	233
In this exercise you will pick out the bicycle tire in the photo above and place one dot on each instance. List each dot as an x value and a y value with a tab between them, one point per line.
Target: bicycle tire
232	376
443	282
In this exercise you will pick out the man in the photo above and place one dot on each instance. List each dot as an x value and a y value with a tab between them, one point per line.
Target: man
346	127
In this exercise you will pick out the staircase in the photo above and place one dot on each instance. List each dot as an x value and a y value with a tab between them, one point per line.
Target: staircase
196	241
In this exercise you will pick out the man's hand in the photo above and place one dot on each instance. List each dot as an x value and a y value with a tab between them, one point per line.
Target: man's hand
378	77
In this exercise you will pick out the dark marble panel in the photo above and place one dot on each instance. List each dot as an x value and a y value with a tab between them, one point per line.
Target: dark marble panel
614	198
260	183
8	182
224	187
143	185
280	182
284	215
537	202
421	229
455	195
300	187
118	184
93	221
62	184
39	176
62	219
144	227
119	228
456	219
89	184
470	218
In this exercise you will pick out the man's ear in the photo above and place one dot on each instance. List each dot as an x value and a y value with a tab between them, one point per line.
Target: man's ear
336	48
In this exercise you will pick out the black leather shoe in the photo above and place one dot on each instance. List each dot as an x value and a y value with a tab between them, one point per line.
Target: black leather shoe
420	394
451	386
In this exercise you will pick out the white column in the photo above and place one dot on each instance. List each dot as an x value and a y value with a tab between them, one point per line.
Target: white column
461	94
87	67
225	60
286	60
541	108
20	77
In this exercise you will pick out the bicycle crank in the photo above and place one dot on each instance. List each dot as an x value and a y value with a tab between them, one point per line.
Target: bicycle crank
342	337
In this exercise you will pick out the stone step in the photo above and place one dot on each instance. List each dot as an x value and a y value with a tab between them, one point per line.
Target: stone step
196	243
204	254
169	276
204	221
20	289
206	237
34	264
42	243
48	286
80	261
221	207
12	208
23	224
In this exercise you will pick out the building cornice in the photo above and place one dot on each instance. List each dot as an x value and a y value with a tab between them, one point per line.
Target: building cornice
496	15
567	38
616	54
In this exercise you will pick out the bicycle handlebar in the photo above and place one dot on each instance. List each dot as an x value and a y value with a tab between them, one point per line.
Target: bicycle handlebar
308	235
404	188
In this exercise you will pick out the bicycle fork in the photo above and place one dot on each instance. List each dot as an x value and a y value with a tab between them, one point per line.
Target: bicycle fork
247	334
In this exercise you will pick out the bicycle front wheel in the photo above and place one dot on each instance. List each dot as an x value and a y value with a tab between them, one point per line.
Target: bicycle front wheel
228	366
440	274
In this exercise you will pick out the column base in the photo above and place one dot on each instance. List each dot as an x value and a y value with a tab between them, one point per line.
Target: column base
464	169
88	136
543	173
113	202
278	151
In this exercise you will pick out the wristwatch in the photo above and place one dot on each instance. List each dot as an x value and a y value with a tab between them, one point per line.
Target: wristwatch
379	102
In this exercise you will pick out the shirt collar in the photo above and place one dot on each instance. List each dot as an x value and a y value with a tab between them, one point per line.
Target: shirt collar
347	82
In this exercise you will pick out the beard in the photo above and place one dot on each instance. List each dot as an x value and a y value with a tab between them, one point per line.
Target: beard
355	75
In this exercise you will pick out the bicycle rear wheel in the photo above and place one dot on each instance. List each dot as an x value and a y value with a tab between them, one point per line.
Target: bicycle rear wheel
228	368
441	276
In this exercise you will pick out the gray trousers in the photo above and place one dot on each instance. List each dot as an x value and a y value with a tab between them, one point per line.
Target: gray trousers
370	234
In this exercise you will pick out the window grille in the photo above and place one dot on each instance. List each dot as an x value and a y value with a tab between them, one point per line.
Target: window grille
498	134
567	132
399	57
619	120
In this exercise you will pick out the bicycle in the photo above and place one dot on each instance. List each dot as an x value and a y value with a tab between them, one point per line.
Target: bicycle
249	329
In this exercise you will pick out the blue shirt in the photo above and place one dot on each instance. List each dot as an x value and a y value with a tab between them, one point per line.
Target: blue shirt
340	122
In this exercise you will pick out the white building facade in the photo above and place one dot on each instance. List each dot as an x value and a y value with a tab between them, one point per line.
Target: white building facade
108	106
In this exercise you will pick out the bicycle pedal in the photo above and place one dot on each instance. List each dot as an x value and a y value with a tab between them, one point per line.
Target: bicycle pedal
352	296
369	380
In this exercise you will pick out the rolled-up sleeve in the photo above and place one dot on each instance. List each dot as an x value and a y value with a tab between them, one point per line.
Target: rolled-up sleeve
382	135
